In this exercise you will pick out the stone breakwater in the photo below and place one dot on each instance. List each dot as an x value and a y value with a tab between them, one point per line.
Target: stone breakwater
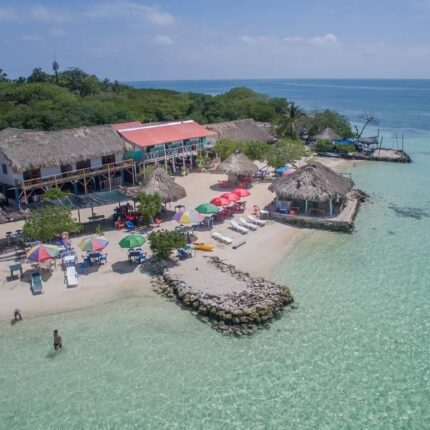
235	313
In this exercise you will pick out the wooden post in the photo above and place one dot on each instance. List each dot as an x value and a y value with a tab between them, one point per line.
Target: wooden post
109	179
85	185
330	202
306	207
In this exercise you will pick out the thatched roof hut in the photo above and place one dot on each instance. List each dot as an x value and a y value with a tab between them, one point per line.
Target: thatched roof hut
313	182
32	149
158	181
237	164
242	130
327	134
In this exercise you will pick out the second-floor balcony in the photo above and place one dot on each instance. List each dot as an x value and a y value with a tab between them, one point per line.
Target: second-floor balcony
179	151
75	175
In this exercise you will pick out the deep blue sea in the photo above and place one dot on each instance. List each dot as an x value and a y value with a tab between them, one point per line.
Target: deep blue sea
354	355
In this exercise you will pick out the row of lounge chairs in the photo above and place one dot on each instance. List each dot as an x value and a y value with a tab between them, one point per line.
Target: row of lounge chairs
244	225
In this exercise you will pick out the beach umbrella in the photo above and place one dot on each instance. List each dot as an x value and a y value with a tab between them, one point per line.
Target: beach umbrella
231	197
220	201
188	217
207	208
42	253
132	241
241	192
92	244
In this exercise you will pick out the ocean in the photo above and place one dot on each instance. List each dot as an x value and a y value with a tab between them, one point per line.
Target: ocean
354	354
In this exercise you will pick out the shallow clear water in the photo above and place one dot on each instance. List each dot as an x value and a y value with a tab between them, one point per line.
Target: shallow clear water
355	354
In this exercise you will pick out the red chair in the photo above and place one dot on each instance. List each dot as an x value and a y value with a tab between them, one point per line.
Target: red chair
157	222
256	210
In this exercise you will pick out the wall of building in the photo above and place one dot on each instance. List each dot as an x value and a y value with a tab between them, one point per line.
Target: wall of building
10	177
50	171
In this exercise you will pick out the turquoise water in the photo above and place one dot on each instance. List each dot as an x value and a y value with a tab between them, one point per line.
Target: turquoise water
355	354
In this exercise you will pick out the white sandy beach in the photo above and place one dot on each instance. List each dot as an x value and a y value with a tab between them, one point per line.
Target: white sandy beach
263	250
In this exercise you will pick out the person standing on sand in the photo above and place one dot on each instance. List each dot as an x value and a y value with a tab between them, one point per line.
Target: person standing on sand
17	315
58	342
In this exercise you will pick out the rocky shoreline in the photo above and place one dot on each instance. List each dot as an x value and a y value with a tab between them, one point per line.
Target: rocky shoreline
236	313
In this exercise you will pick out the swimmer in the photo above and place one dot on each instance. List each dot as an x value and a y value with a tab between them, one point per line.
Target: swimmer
58	342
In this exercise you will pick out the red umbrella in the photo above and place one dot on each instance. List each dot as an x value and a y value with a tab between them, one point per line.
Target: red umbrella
231	197
220	201
241	192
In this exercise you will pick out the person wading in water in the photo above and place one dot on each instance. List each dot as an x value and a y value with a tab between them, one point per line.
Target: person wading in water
58	342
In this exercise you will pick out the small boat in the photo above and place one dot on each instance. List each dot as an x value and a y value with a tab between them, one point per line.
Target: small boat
203	246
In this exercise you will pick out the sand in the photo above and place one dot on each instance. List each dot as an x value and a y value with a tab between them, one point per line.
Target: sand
262	252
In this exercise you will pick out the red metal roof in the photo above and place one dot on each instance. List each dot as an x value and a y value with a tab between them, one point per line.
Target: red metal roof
156	134
122	125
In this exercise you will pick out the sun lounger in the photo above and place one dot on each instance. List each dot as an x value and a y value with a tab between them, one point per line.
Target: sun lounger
222	238
71	277
36	283
238	227
256	221
244	223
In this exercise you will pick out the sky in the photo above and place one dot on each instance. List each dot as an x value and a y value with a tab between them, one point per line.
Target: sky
133	40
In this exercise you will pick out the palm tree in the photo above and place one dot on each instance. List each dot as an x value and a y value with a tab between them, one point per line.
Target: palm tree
3	76
292	120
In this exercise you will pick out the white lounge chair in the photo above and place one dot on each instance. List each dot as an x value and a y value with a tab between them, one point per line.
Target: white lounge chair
256	221
238	227
244	223
71	277
222	238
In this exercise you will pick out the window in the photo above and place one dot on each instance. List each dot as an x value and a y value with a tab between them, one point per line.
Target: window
4	168
108	159
86	164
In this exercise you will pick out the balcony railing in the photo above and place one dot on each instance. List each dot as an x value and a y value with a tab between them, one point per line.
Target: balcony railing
175	152
74	175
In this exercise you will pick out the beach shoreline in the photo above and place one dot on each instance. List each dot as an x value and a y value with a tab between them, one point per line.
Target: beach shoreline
262	253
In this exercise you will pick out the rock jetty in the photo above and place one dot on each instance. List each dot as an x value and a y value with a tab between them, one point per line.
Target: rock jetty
239	312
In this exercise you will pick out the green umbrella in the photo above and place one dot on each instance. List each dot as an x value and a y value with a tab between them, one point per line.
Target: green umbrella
131	241
207	208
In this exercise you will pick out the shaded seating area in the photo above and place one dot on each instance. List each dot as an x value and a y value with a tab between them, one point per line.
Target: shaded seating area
313	190
240	170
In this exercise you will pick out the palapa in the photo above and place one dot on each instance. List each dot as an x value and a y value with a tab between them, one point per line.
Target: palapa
242	130
238	164
313	182
158	182
326	134
32	149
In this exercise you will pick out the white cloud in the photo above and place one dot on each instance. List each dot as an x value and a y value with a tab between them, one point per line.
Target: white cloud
42	13
162	39
129	9
8	13
37	13
326	40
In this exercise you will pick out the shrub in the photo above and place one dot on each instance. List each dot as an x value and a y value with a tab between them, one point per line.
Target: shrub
163	242
149	206
324	146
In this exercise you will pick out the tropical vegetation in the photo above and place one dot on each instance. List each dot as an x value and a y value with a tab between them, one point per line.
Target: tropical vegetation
163	242
149	205
73	98
48	222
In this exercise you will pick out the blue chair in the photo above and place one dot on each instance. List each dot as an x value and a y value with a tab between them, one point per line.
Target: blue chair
129	226
182	253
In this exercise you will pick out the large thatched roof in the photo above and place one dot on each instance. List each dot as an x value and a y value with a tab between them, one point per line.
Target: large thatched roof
313	182
327	134
244	130
158	181
237	164
31	149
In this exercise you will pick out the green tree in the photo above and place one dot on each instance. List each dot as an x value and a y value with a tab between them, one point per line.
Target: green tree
48	222
55	193
292	121
38	75
319	120
163	242
323	146
149	205
3	76
285	151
